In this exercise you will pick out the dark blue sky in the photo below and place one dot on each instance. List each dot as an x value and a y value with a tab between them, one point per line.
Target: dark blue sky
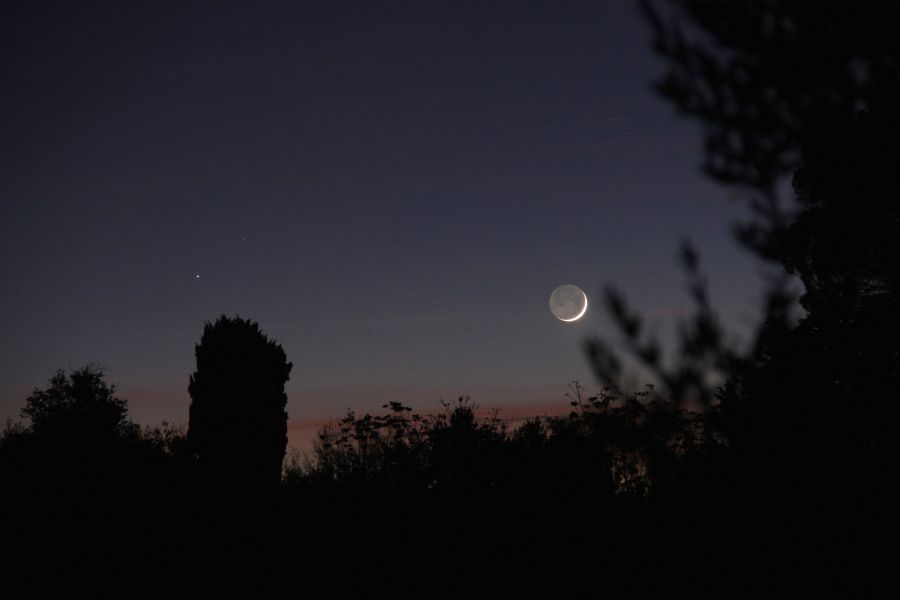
391	189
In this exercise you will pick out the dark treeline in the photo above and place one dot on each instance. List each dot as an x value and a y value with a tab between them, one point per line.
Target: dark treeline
612	448
768	469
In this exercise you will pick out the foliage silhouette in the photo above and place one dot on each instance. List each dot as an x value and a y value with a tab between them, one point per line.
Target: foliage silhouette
612	445
237	430
703	359
772	80
79	446
77	429
807	91
81	404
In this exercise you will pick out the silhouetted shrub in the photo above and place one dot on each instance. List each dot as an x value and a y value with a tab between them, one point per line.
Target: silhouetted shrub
799	427
611	445
78	443
809	90
80	404
78	433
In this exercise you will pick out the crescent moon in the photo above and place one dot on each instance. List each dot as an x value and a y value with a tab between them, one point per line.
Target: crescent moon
581	314
568	303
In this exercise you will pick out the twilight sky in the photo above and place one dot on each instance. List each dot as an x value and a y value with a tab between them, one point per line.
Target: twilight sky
391	189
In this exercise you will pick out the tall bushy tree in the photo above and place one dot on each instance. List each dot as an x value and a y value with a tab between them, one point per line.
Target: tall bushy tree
238	424
808	89
806	92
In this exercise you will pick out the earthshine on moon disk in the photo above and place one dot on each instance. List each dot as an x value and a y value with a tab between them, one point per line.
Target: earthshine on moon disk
568	303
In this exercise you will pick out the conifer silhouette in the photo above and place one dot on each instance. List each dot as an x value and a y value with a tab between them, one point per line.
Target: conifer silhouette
237	430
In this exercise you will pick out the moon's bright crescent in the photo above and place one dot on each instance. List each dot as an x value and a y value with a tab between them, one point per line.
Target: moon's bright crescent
568	303
581	314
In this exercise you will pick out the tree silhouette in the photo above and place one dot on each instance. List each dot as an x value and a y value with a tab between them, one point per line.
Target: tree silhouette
237	427
809	90
80	404
774	81
77	445
806	93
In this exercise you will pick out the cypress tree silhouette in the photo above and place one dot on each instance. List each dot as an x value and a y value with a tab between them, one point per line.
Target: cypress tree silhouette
237	428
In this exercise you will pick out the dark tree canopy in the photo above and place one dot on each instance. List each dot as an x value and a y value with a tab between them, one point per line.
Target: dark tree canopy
238	424
79	404
784	85
79	448
763	75
806	90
